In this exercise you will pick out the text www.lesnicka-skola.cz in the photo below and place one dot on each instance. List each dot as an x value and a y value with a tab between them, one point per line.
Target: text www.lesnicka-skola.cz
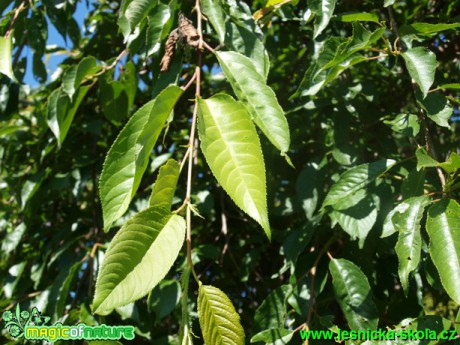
380	334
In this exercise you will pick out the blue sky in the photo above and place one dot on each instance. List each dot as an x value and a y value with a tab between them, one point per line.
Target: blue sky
54	38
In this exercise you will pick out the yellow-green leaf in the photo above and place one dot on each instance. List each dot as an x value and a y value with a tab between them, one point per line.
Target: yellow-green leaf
219	321
257	97
165	185
128	157
138	258
443	227
231	146
6	66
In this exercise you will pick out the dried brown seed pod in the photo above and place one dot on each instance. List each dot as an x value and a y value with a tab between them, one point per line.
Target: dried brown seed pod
170	49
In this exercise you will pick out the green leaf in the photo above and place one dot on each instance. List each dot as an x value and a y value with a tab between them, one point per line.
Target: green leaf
452	164
357	16
437	108
128	157
308	184
114	100
353	294
132	13
356	178
231	146
31	186
274	336
76	74
323	10
337	55
413	184
138	258
212	9
6	131
452	86
424	160
356	214
421	64
164	298
244	41
258	98
387	3
388	227
6	64
409	243
156	26
165	185
405	124
443	227
219	321
271	314
61	111
425	28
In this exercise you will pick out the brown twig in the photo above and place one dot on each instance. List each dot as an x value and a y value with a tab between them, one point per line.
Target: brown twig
376	57
112	66
191	143
190	82
18	10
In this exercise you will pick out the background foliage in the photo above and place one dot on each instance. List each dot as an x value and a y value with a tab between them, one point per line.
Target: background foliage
364	228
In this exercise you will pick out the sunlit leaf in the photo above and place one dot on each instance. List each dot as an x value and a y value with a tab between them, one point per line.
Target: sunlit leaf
443	226
323	10
219	321
212	9
405	124
354	294
356	178
452	164
356	214
246	42
357	16
421	64
76	74
6	64
165	185
424	160
156	25
409	243
437	108
387	3
258	98
453	86
128	157
61	111
337	55
138	258
232	149
426	28
132	13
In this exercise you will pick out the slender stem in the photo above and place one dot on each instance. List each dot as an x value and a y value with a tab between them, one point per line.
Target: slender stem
191	144
117	60
378	50
190	82
376	57
208	47
18	10
435	89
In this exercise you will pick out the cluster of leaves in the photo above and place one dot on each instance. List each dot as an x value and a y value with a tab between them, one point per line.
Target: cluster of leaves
329	125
